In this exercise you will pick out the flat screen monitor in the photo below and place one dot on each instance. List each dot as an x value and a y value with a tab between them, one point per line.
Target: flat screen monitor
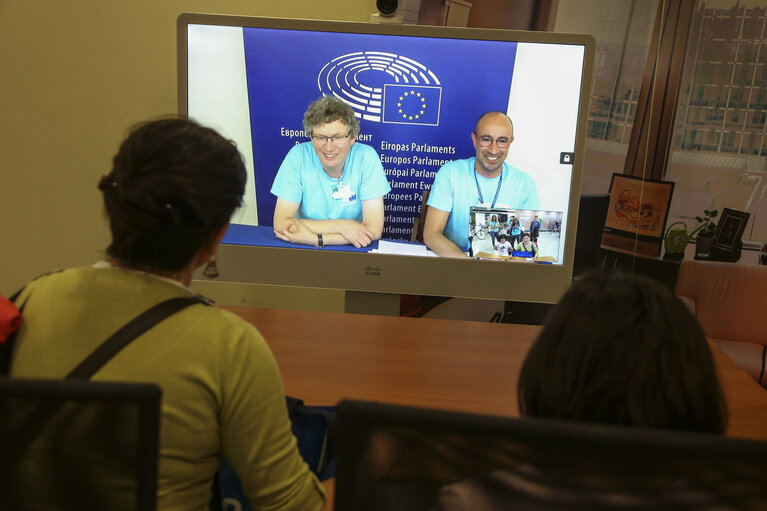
417	92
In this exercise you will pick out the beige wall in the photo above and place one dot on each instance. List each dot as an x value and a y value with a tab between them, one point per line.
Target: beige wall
74	76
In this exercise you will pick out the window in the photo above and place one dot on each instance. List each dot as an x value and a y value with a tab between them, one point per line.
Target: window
622	30
718	157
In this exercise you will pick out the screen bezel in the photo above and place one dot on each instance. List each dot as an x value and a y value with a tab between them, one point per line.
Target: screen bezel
382	273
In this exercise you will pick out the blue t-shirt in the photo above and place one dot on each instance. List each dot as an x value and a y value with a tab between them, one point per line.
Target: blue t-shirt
455	190
302	180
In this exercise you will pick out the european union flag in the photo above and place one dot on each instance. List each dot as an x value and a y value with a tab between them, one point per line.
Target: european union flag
412	104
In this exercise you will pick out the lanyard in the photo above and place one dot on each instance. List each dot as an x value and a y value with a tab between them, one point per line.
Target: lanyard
497	190
339	185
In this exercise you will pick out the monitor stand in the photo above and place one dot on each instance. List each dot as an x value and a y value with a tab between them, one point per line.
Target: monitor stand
366	302
493	311
522	313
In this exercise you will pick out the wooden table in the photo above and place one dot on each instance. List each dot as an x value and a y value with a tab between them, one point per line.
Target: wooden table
455	365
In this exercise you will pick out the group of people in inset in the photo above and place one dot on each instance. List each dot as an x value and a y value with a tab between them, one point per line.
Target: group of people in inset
507	235
330	190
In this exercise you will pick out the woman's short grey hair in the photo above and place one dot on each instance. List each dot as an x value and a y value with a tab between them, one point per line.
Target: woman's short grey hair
329	109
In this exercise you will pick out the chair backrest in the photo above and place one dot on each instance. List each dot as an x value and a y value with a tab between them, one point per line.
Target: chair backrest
95	444
418	223
661	270
730	299
395	457
592	212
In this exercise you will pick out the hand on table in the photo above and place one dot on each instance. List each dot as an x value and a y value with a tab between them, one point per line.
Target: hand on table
297	232
356	233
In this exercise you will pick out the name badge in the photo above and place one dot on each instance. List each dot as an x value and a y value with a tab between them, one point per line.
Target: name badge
344	193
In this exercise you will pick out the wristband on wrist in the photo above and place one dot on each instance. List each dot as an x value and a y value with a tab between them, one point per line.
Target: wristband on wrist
320	242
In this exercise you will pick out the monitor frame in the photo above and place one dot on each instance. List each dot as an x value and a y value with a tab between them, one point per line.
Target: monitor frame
383	273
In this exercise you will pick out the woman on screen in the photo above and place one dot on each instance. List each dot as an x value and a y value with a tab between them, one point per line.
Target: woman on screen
515	230
330	190
169	196
495	228
525	248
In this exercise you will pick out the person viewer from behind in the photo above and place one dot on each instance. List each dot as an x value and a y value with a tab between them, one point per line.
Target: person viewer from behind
485	180
173	187
330	190
644	362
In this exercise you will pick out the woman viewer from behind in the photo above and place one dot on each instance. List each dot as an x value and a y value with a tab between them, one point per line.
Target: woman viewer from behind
172	189
644	361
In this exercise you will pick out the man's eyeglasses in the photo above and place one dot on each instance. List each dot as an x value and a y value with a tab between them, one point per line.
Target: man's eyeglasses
501	142
321	139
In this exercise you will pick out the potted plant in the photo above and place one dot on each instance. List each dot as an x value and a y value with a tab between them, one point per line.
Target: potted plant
706	231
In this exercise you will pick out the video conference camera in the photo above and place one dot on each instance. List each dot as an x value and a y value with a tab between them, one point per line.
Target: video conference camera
386	7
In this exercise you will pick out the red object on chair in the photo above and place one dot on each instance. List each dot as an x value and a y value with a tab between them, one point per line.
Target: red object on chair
10	319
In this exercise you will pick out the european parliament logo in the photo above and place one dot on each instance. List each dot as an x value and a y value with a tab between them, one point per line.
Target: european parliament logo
383	87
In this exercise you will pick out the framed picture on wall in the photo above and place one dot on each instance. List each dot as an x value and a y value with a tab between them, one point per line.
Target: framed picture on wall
636	217
730	229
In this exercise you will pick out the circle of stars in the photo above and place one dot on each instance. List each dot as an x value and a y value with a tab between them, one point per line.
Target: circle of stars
421	108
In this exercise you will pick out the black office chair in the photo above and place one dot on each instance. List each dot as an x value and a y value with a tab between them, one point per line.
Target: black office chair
403	458
664	271
416	234
71	444
592	213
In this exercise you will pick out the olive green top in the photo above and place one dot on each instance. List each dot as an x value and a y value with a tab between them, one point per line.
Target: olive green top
222	390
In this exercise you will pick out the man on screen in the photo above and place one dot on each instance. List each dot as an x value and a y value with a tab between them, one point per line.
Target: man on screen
535	229
485	180
330	190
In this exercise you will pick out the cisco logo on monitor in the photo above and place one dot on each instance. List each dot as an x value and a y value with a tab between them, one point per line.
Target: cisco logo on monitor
384	87
373	271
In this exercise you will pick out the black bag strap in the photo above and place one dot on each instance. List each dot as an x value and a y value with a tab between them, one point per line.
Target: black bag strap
98	358
134	328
